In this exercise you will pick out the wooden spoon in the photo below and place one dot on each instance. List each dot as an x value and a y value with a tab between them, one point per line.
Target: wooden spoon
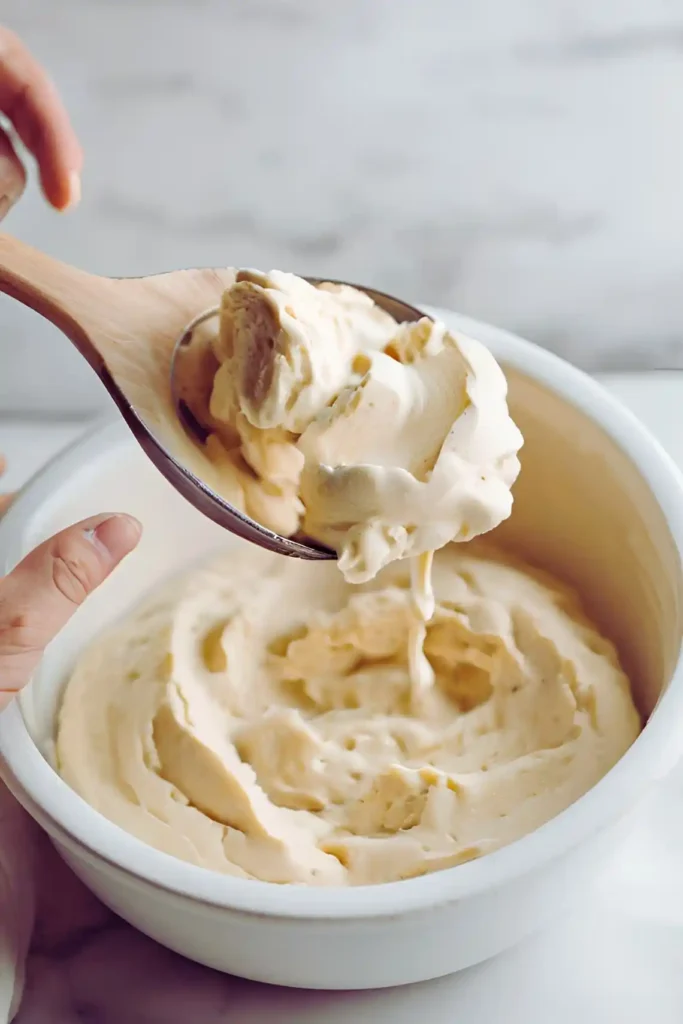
128	329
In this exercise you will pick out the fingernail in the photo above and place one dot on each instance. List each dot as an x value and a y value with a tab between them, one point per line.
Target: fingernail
74	190
13	185
116	535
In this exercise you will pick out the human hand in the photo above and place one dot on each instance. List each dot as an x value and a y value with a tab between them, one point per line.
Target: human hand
41	594
31	104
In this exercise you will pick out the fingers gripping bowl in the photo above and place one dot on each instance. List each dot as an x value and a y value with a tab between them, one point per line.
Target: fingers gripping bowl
598	503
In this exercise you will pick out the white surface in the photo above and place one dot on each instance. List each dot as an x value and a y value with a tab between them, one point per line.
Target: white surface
618	958
520	161
28	445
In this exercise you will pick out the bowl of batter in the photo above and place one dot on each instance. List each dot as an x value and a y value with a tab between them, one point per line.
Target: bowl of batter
244	755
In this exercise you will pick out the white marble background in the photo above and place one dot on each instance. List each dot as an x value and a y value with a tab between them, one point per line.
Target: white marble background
521	160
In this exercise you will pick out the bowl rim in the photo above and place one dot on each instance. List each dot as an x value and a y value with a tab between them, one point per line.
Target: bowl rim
654	753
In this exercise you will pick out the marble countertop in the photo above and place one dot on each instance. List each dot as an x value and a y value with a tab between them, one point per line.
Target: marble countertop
618	956
520	162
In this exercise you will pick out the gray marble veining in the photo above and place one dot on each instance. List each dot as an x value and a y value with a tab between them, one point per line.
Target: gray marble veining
520	161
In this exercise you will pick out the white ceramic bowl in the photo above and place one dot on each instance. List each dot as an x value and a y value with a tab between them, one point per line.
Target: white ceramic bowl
598	501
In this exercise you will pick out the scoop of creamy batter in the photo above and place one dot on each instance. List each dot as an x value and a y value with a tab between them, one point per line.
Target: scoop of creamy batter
258	717
380	440
419	452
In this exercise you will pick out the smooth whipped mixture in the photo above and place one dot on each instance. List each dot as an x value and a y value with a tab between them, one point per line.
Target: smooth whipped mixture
258	718
380	440
326	417
291	722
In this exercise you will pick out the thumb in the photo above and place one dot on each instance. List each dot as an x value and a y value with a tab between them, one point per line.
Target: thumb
41	594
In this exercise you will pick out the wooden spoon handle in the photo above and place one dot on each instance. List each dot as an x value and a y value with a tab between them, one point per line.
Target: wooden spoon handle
73	300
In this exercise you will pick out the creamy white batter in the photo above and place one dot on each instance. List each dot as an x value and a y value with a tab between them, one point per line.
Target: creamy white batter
382	440
259	719
269	719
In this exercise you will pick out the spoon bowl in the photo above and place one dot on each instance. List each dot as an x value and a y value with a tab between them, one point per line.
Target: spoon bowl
132	331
